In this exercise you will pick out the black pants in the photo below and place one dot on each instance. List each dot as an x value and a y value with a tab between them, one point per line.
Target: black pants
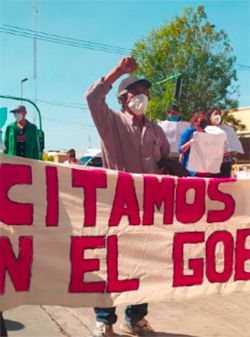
225	170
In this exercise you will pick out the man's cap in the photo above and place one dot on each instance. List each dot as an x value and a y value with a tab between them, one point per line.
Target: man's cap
129	82
19	108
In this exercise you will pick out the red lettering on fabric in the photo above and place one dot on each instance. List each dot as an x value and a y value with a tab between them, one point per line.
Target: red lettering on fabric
228	246
179	278
52	196
114	284
11	212
155	193
125	201
18	268
215	194
80	265
242	255
90	181
190	212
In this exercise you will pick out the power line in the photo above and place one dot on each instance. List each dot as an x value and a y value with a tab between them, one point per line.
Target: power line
65	104
242	66
73	42
78	125
63	40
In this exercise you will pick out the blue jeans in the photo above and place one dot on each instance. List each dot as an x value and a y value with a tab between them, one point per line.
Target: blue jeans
133	313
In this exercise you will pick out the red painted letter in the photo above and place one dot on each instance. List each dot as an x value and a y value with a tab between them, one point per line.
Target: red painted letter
190	212
155	193
52	196
181	280
19	269
89	180
215	194
11	212
125	202
79	265
115	285
212	274
242	255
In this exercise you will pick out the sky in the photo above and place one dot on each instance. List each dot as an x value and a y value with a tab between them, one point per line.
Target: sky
65	72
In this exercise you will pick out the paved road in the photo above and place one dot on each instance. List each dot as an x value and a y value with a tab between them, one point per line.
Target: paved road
213	316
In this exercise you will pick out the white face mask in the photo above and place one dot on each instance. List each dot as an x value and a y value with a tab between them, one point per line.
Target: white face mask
18	116
216	119
138	104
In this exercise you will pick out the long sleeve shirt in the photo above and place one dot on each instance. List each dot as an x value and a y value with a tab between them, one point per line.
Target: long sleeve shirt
126	146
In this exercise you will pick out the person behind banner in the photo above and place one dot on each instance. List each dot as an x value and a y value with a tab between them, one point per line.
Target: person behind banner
131	143
234	145
21	136
173	114
198	123
71	158
173	127
21	139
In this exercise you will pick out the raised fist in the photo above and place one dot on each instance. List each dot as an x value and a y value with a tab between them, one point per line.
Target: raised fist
127	65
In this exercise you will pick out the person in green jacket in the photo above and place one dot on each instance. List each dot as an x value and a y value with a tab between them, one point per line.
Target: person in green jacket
21	136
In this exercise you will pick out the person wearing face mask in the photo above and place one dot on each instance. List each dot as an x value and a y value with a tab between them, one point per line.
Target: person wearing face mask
233	144
71	158
198	122
173	113
21	136
131	143
173	127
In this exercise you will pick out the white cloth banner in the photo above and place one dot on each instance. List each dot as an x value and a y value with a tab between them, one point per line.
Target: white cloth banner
232	138
206	153
173	130
93	237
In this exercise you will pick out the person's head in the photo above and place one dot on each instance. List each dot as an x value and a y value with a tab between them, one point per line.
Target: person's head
71	155
133	95
215	117
173	113
199	120
19	113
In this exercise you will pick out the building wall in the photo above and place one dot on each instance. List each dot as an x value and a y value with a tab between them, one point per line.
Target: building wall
244	115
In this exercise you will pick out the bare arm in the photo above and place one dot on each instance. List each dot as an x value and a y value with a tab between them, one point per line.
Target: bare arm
187	145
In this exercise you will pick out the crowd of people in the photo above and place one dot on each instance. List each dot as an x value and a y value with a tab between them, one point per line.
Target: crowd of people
131	142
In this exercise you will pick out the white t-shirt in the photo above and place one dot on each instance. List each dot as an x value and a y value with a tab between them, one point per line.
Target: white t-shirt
68	163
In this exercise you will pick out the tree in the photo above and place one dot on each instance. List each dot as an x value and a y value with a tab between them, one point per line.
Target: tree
189	45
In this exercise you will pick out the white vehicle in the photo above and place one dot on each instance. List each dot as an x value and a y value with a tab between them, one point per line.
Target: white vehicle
92	157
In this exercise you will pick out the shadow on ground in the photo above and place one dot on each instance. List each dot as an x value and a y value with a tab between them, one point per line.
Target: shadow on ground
13	325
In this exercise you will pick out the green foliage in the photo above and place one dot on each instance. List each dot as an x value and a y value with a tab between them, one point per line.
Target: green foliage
188	44
48	157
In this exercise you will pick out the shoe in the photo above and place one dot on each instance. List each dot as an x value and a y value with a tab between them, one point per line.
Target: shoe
103	330
140	328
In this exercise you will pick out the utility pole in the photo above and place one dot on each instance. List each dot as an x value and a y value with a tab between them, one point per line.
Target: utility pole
35	18
21	87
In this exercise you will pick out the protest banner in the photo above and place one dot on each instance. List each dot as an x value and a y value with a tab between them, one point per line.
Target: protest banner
173	130
94	237
206	152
